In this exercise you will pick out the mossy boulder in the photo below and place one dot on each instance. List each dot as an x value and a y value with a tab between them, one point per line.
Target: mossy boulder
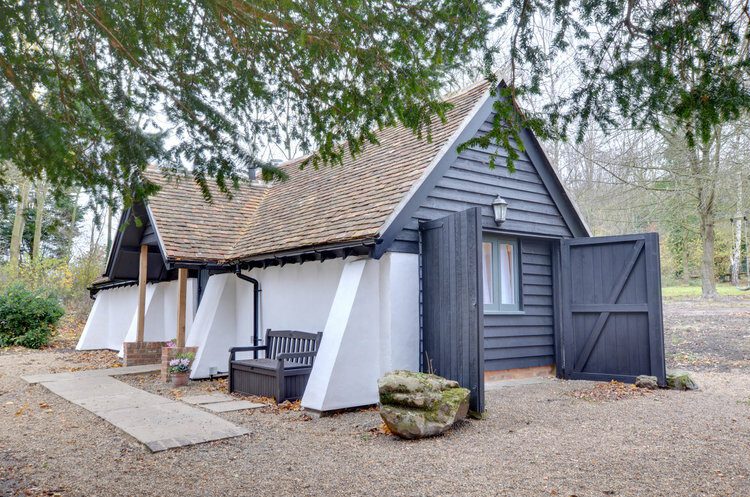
418	405
680	380
647	382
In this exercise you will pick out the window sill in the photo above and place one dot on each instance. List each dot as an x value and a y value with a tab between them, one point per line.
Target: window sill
503	313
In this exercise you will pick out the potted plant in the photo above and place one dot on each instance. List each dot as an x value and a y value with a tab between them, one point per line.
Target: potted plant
179	368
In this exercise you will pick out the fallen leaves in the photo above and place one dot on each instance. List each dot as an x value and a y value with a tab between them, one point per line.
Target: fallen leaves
614	390
381	429
90	359
289	406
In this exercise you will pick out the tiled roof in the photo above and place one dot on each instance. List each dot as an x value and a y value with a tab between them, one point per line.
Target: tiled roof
332	205
191	228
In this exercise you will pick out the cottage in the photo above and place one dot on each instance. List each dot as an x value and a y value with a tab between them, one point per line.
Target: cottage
409	256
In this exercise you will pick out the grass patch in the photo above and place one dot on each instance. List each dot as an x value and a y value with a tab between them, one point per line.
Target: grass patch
694	291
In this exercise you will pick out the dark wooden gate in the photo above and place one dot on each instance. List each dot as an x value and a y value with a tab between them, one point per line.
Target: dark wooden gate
611	308
452	310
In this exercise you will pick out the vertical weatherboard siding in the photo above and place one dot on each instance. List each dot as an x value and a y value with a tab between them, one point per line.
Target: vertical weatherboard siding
525	339
452	291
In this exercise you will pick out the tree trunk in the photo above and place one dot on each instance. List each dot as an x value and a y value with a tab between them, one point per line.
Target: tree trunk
685	258
41	194
736	260
708	275
109	222
19	221
707	196
72	227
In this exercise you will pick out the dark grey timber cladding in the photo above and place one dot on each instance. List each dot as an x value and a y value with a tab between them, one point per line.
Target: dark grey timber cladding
452	301
469	182
525	339
612	311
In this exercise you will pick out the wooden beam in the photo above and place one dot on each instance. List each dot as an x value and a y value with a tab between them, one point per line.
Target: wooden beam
142	279
182	274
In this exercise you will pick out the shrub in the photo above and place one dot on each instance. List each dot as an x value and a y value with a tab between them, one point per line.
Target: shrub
27	317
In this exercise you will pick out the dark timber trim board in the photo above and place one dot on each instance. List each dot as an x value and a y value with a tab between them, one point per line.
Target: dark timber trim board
557	302
115	249
554	186
158	236
405	211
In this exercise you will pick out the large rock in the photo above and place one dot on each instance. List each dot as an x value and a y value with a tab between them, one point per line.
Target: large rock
647	382
680	380
417	405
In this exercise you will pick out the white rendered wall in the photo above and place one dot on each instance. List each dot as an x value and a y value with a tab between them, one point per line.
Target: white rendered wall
161	312
218	324
399	310
293	297
367	309
296	296
109	319
372	328
113	318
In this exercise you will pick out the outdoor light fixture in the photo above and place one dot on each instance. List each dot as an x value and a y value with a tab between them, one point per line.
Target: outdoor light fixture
500	206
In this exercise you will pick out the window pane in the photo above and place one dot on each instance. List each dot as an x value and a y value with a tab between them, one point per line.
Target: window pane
487	271
507	276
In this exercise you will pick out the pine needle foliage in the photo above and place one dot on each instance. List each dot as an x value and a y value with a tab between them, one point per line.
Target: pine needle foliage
651	64
93	91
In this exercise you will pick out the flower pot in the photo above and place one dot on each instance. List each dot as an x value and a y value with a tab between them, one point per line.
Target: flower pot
180	379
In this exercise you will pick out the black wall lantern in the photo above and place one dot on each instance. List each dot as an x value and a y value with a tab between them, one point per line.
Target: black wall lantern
500	207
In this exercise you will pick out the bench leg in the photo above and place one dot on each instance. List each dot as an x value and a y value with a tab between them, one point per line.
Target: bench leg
280	393
230	382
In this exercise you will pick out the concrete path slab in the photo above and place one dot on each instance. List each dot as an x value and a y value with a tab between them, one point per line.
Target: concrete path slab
209	398
95	373
158	422
235	405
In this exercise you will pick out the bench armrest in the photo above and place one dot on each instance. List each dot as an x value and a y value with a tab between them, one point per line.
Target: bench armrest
234	350
291	355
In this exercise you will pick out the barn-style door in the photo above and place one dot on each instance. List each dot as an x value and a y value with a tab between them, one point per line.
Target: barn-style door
611	308
452	309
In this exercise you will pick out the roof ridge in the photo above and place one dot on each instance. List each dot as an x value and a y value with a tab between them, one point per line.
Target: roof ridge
466	89
445	96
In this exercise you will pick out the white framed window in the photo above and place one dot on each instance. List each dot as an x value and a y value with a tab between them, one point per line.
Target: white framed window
500	274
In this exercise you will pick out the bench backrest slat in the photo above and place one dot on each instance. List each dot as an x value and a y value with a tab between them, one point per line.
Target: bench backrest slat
289	341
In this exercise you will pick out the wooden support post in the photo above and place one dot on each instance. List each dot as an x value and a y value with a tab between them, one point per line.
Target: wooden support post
142	279
181	304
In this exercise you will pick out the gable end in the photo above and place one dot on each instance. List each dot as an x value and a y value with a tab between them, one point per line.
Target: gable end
539	205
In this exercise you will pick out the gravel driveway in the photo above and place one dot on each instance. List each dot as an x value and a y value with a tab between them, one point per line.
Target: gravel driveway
552	438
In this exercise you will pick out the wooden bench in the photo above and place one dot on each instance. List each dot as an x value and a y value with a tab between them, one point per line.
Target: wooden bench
282	373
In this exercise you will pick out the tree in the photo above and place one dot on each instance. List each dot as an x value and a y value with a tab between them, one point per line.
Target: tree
19	222
40	197
680	68
60	221
92	91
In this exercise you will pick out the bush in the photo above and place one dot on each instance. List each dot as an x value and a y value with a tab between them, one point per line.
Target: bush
27	318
